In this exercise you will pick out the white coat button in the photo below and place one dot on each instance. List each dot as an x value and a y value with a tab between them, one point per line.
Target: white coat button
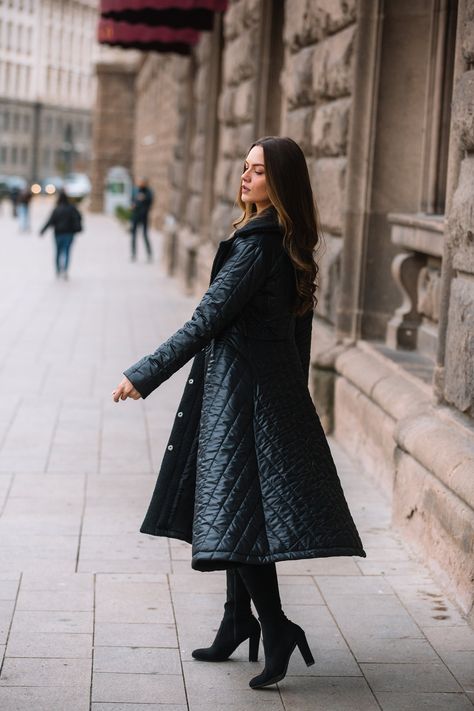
191	381
180	414
170	447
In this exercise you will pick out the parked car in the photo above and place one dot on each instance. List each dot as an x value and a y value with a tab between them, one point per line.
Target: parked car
77	185
52	184
16	182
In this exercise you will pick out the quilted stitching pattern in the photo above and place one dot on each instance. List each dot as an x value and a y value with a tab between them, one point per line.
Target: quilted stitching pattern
249	476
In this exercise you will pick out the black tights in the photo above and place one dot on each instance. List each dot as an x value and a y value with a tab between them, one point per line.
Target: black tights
259	583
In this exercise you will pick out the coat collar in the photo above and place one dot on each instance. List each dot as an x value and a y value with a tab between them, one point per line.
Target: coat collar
266	222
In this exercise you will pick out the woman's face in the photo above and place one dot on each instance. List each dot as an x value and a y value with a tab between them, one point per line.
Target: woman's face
253	181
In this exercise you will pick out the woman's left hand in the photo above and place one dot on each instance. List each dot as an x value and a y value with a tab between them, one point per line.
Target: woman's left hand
124	390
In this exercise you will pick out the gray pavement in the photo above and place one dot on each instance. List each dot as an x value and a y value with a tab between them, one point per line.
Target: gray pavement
95	615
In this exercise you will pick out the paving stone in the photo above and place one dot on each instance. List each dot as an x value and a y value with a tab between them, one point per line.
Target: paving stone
45	672
324	693
134	660
341	585
138	688
135	634
52	622
8	589
396	701
139	707
24	643
370	648
340	565
27	698
6	613
420	676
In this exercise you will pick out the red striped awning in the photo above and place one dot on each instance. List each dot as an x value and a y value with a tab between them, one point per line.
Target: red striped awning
154	39
196	14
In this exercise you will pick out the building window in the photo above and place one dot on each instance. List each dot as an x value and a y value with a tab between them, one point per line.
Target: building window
14	155
4	154
26	123
24	155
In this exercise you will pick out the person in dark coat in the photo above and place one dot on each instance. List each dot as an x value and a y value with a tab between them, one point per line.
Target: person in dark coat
142	200
67	222
247	476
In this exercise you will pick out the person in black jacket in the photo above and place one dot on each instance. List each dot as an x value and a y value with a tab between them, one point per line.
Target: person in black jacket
247	476
142	200
66	221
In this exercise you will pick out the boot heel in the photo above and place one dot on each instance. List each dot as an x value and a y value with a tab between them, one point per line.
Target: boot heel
305	650
254	641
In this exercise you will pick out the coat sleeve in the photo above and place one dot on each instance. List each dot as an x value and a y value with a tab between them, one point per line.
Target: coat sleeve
303	329
240	277
50	223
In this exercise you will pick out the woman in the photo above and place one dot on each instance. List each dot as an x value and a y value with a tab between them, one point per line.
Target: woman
66	221
248	476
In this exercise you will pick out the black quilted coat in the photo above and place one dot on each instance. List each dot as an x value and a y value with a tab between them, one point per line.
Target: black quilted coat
247	476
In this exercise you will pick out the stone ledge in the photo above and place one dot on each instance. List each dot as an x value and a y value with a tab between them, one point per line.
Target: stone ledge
397	392
441	447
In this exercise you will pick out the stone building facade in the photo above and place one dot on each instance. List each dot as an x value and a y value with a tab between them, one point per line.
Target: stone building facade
47	86
380	95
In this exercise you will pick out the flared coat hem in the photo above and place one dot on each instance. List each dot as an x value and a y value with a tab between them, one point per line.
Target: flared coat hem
209	561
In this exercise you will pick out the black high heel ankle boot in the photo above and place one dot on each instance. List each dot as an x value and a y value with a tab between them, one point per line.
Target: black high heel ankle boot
238	624
231	633
279	644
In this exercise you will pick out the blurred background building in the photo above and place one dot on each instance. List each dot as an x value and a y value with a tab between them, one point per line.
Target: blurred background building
380	95
47	86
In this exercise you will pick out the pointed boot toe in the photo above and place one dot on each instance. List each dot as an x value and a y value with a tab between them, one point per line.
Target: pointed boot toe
278	656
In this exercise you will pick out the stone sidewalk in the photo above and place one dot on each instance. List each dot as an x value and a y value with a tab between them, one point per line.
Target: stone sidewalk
95	615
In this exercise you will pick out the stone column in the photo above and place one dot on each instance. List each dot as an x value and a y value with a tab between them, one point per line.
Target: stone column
113	124
455	372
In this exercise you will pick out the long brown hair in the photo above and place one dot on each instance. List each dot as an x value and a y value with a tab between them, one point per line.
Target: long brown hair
289	190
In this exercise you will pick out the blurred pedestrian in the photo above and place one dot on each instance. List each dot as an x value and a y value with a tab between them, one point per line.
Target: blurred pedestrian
14	193
66	221
23	209
247	476
142	200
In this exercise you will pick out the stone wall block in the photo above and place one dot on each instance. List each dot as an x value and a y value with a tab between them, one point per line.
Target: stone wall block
468	32
233	19
332	64
221	222
251	12
461	218
308	21
302	24
244	105
196	176
330	128
193	211
239	62
227	141
328	181
202	50
299	126
463	110
437	524
459	363
201	83
329	259
226	102
298	78
243	138
223	176
199	146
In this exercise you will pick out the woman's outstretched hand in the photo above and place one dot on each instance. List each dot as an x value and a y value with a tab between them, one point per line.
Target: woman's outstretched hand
124	390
